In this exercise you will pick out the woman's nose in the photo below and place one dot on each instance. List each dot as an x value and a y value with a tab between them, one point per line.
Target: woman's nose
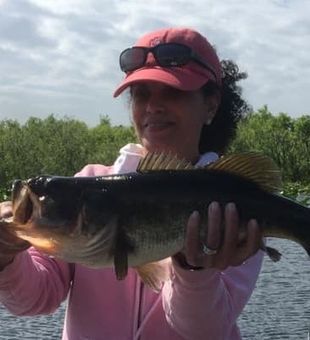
155	103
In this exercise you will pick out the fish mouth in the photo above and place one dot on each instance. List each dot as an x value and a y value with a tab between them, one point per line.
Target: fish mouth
29	204
22	202
57	226
47	206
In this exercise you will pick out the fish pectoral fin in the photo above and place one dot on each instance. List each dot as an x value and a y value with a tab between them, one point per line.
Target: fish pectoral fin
122	247
153	274
121	263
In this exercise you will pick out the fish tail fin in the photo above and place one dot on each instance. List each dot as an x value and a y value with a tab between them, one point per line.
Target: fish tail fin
299	224
306	246
305	243
153	274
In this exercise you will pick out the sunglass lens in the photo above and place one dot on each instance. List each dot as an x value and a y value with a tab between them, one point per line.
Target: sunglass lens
172	55
132	58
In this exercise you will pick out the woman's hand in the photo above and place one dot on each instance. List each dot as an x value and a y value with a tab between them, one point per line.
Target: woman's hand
10	245
224	243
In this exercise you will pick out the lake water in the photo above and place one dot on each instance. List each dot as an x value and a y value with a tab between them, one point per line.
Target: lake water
278	309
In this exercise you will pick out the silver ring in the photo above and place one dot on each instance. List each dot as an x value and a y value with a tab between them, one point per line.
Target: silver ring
208	251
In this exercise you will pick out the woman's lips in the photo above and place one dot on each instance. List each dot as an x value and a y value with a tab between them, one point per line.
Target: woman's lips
157	126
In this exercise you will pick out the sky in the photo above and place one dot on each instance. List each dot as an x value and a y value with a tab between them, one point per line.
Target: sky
61	56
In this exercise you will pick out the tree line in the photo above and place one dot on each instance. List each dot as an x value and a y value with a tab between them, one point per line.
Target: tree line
56	147
63	146
283	138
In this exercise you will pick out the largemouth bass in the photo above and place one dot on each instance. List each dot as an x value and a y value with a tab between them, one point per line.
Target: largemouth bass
139	218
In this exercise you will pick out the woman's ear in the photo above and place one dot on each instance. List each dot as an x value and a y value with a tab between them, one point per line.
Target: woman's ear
212	105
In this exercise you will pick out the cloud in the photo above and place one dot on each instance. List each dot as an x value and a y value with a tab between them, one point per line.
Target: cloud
62	56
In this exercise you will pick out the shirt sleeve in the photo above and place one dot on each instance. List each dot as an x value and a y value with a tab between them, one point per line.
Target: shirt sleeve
208	302
34	284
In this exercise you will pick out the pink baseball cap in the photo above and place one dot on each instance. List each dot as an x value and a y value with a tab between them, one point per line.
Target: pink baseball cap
189	77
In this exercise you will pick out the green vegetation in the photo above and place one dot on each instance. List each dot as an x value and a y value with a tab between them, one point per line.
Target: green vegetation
283	138
55	146
286	140
64	146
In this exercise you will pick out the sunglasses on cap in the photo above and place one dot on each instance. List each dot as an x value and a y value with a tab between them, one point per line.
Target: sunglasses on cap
165	55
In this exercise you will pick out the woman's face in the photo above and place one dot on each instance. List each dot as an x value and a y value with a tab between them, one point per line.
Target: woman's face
170	120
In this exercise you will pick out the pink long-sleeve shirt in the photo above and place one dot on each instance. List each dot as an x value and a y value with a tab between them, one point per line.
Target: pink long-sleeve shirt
192	305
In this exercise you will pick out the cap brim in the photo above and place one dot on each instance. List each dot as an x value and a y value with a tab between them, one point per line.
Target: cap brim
181	78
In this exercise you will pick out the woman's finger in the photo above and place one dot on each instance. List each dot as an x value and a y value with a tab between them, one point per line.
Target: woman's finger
214	231
228	249
251	245
192	242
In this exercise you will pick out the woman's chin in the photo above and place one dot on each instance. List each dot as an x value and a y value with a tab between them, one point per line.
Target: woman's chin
158	146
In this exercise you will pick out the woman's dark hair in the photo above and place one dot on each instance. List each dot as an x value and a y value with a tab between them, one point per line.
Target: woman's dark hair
217	136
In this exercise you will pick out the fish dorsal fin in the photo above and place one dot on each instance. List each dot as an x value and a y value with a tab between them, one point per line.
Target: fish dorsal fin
253	166
162	161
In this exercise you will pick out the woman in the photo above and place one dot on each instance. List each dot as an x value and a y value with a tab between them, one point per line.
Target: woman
182	104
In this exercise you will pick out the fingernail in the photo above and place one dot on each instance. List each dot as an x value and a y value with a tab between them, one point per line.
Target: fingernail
194	214
252	223
213	206
231	206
